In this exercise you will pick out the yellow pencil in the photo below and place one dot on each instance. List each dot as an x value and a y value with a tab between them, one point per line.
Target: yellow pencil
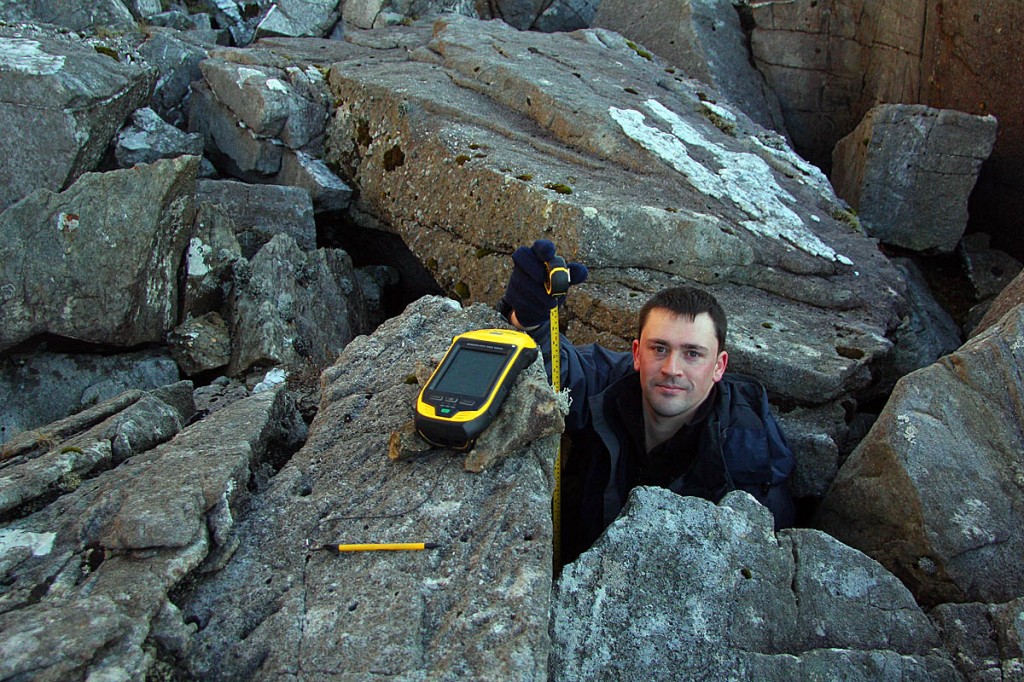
376	547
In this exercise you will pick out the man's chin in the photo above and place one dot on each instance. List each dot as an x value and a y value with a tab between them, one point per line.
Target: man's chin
668	409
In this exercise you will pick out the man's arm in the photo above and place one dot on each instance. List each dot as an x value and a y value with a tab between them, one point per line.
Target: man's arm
586	370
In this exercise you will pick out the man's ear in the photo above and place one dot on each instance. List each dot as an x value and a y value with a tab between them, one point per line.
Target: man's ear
721	362
636	354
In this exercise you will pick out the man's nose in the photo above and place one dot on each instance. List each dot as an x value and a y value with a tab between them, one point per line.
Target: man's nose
673	365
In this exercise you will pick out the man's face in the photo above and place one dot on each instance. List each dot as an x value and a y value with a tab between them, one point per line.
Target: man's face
679	361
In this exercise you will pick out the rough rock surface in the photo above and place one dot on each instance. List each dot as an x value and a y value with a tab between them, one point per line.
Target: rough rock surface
259	212
176	55
489	138
51	245
1011	296
541	15
935	490
300	18
986	640
989	270
925	335
148	137
830	61
290	305
477	606
212	252
61	94
704	40
908	170
86	579
40	465
45	386
72	14
678	588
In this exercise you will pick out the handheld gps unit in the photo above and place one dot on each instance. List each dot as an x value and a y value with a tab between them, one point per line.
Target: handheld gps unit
469	385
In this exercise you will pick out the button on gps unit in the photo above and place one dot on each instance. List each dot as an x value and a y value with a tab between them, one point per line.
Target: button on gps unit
469	385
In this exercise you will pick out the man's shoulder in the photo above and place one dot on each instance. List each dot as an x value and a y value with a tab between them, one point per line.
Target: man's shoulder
740	392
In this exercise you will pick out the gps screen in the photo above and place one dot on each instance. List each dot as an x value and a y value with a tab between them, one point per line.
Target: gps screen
471	372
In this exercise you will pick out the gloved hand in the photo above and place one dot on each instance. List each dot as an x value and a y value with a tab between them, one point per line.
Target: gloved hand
525	293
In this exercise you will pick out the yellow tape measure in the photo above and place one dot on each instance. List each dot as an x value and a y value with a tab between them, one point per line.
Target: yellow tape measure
556	498
557	285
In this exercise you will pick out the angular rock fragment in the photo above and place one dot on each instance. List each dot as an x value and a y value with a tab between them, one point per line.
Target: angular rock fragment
677	588
66	98
909	170
935	490
53	247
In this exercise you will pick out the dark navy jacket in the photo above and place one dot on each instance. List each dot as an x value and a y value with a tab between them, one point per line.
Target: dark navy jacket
739	446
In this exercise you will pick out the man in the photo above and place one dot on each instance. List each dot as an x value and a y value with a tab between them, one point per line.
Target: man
666	414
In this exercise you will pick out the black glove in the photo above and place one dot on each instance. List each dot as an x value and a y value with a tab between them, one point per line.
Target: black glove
525	293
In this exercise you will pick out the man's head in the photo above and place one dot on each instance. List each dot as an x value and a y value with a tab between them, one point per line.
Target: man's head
686	302
680	352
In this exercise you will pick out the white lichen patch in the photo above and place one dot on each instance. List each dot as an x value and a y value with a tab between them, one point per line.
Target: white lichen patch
974	519
195	260
743	179
854	583
28	56
41	544
720	111
245	74
277	85
909	428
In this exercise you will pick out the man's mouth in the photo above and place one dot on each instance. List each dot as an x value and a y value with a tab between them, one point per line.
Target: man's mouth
672	388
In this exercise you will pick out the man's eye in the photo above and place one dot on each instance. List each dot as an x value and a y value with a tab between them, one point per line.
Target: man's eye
693	354
659	350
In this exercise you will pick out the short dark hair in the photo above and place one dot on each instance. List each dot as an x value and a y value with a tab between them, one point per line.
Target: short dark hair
686	302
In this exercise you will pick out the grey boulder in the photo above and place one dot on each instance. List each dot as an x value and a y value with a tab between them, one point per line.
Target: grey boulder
292	306
64	95
909	170
73	266
678	588
50	386
148	137
934	492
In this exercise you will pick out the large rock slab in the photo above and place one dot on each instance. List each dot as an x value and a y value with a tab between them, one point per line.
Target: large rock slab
86	579
489	138
259	212
909	170
37	467
66	98
677	588
935	490
291	306
72	266
986	639
830	61
475	607
704	40
50	385
71	14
